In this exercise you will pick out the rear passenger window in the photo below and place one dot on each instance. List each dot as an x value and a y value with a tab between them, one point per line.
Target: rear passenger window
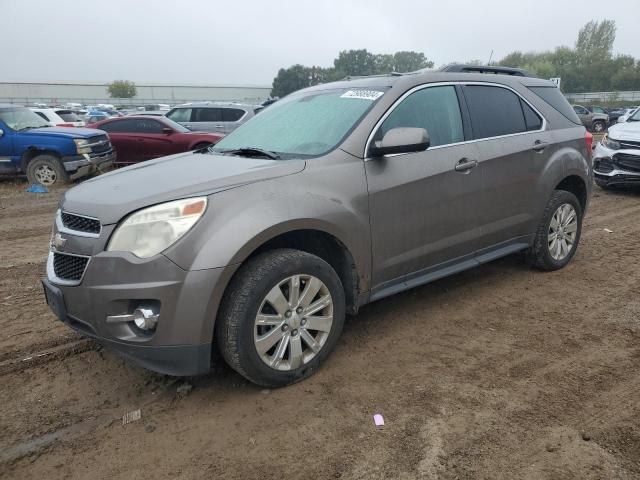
43	116
232	114
434	108
180	115
494	111
119	126
207	115
531	118
148	126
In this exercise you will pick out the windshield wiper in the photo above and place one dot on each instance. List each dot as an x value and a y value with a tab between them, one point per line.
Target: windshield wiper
252	151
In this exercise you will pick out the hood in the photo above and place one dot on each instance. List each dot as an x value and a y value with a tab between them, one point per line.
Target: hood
625	131
111	196
68	132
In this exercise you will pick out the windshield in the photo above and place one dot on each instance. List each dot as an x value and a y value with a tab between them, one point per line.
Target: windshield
309	124
22	119
635	117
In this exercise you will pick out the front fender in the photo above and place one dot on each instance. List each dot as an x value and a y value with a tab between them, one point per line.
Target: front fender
329	197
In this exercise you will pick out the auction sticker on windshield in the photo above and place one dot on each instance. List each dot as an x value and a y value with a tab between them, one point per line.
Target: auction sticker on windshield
362	94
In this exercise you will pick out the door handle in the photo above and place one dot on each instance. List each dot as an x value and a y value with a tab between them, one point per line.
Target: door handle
465	165
539	146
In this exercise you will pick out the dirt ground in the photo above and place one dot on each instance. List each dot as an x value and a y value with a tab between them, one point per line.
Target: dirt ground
500	372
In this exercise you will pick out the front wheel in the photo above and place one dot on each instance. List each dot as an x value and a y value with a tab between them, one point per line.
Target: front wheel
281	316
46	170
558	234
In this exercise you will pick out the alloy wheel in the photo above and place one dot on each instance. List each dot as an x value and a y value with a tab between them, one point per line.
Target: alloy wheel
563	229
45	175
293	322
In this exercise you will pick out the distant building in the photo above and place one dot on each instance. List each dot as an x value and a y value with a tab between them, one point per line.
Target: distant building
94	92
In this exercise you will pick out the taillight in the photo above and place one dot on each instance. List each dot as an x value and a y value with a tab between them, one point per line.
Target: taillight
65	125
588	139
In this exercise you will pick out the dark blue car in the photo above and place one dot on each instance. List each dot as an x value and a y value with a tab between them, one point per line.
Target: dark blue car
49	155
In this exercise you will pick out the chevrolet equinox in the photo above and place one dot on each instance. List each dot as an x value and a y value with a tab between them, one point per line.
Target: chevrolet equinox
336	196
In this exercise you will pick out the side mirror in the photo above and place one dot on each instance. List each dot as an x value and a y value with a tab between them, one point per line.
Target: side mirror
1	133
401	140
167	131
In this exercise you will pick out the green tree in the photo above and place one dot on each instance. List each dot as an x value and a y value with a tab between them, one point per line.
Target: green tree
348	63
410	62
596	39
122	89
290	79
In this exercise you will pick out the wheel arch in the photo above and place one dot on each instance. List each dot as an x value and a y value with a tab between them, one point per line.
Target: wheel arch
576	185
32	152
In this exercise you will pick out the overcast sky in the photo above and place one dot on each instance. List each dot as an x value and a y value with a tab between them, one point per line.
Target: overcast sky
247	41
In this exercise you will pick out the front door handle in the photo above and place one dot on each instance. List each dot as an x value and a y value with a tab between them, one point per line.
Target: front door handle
539	146
465	165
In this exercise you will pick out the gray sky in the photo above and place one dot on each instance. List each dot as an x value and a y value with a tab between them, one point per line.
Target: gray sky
247	41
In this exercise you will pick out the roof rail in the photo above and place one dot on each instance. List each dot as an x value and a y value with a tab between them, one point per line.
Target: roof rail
457	67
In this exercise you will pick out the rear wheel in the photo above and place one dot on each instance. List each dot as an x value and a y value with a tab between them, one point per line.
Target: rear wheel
281	316
559	232
599	126
46	170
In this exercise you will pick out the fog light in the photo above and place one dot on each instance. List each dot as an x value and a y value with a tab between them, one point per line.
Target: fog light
145	318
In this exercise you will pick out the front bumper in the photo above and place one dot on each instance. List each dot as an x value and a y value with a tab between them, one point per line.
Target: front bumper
616	167
115	283
82	165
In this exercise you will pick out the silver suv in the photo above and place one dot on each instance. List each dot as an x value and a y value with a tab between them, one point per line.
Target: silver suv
212	117
334	197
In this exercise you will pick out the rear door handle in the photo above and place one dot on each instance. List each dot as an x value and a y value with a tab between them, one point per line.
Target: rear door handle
465	165
539	145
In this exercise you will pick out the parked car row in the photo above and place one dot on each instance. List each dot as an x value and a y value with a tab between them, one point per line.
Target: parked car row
597	119
51	146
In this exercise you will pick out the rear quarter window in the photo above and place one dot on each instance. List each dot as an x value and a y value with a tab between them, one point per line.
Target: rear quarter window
554	97
495	111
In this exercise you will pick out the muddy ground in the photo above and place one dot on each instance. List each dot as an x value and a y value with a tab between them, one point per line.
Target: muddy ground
500	372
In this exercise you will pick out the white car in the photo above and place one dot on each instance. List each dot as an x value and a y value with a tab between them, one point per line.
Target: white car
59	117
616	159
627	113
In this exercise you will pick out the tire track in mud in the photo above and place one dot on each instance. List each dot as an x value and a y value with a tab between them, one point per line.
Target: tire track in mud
57	350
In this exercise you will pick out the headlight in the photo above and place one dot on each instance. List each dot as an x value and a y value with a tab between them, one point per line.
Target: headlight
610	143
154	229
80	145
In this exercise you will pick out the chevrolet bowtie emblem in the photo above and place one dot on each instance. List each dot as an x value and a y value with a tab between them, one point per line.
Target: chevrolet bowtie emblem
58	241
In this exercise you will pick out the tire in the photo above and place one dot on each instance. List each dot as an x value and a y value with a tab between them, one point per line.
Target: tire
243	343
599	126
543	254
46	170
602	184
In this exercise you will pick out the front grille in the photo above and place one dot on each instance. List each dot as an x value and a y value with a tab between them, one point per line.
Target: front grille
630	163
629	144
69	267
603	166
79	223
104	145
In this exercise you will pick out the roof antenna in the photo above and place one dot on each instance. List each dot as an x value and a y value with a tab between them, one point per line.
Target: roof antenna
490	57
